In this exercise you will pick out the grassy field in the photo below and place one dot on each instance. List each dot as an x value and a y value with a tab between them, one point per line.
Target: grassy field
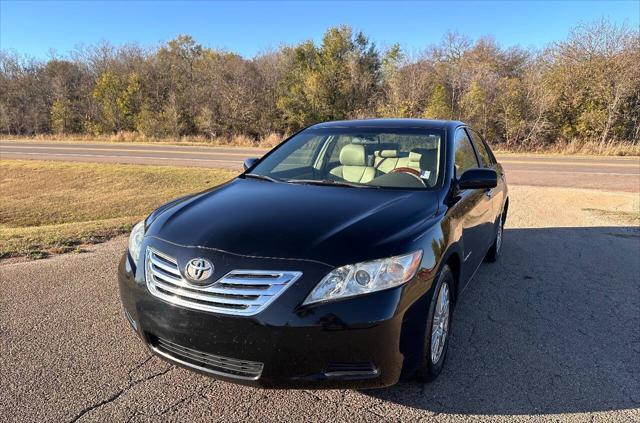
54	207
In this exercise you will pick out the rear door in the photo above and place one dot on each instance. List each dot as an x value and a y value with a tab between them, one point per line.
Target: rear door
474	207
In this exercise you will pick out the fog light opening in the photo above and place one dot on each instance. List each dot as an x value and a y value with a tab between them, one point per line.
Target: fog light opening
351	371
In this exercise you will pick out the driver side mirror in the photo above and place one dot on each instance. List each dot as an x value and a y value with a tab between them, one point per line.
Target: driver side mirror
478	179
249	162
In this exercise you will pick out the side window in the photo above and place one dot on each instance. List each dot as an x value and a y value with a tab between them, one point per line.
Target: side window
481	148
493	156
465	157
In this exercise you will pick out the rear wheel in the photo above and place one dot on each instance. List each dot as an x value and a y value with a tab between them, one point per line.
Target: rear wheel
494	251
437	331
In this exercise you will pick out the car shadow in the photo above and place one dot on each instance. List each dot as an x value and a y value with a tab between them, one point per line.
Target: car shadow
552	327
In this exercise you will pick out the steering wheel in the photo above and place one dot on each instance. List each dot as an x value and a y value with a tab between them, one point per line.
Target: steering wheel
410	171
406	170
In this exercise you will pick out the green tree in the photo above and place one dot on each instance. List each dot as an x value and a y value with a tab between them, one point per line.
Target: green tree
392	102
337	80
61	116
118	99
438	106
295	102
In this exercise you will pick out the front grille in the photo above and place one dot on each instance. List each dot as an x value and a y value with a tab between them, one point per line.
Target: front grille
210	363
242	292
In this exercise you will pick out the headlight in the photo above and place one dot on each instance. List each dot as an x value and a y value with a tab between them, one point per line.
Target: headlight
135	241
366	277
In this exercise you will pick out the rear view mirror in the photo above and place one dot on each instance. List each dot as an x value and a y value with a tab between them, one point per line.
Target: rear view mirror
249	162
478	179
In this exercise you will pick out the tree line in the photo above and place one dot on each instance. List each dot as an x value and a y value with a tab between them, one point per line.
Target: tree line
586	87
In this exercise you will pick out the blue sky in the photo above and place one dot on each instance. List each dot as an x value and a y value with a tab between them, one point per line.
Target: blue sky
33	28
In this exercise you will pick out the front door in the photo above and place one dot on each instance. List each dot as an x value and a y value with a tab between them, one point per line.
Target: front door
474	208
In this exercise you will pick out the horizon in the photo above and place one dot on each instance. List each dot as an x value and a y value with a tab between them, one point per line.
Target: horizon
68	26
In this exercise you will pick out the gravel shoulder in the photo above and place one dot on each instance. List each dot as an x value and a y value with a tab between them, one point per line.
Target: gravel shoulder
550	332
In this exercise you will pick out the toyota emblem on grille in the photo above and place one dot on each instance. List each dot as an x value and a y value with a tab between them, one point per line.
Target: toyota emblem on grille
198	270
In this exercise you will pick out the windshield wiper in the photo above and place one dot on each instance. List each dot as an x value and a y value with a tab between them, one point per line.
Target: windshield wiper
261	177
328	182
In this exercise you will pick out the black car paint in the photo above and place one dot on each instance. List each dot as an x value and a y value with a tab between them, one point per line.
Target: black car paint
248	223
478	179
248	163
320	223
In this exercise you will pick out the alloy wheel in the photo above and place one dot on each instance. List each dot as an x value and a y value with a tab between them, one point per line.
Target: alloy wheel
440	326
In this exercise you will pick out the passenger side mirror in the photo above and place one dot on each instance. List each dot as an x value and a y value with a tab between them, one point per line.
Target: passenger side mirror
249	162
478	179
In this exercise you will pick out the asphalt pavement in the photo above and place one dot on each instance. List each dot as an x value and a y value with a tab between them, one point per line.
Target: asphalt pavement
548	333
609	173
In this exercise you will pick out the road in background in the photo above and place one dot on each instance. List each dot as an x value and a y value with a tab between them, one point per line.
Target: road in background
608	173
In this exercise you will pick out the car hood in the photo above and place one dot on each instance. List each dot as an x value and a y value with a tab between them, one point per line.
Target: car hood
332	225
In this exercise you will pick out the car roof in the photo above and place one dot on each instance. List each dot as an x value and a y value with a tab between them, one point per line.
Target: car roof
391	123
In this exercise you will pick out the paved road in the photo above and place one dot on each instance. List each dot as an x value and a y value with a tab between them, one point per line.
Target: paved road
550	332
610	173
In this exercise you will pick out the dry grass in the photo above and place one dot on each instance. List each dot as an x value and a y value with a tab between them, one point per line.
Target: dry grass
269	141
52	207
578	147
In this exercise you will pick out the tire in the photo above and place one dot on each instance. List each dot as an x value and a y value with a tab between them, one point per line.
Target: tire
432	361
494	252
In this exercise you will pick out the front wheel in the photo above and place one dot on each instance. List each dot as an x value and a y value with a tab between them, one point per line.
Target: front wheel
437	331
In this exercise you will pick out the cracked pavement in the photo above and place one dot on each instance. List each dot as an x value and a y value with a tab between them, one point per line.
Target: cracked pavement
549	332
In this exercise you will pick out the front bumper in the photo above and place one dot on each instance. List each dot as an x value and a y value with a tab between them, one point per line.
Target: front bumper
364	342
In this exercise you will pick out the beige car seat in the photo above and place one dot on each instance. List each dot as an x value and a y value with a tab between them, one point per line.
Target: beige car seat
385	160
353	165
420	159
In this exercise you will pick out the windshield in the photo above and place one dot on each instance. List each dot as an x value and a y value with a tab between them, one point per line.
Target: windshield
361	157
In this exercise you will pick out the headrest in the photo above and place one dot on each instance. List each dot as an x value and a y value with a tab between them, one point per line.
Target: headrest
353	155
424	157
386	153
415	154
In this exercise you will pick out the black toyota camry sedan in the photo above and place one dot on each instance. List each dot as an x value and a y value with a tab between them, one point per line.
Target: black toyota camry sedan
333	261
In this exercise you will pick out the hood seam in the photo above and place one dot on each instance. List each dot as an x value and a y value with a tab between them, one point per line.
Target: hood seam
241	255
